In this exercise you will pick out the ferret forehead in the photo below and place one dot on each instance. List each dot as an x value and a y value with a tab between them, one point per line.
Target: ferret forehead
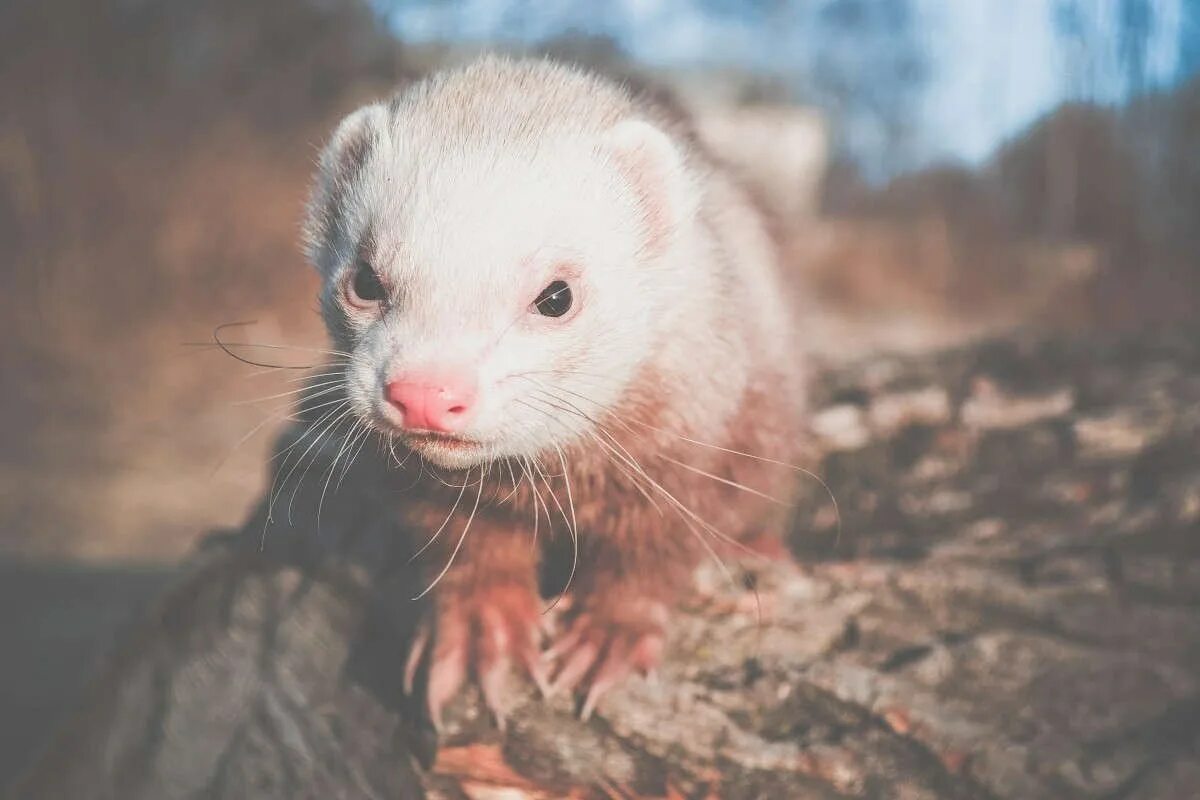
509	101
485	205
489	164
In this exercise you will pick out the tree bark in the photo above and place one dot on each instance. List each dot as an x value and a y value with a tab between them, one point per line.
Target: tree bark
1007	606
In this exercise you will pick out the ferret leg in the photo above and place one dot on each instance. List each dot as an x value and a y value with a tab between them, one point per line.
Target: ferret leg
617	623
484	621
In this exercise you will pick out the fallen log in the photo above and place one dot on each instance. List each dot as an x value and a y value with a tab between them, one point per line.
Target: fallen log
1006	606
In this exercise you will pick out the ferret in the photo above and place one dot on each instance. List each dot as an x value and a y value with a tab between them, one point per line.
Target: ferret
567	322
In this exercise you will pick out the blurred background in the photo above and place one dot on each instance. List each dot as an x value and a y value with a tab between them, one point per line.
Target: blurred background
940	170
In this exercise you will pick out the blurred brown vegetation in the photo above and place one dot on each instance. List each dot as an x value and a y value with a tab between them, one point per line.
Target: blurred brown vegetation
154	157
1089	219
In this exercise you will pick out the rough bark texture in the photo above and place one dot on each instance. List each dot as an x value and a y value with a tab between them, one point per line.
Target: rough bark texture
1010	610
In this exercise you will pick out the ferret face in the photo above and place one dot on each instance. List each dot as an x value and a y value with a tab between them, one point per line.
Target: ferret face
495	299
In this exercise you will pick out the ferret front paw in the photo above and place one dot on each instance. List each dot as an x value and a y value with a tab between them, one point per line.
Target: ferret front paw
609	635
484	632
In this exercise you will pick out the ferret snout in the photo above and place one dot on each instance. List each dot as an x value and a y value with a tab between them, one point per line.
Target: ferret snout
433	400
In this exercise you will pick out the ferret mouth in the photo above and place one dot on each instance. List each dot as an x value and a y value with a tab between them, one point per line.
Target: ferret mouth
423	439
445	450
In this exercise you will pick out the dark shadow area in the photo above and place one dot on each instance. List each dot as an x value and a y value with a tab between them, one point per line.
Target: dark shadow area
58	619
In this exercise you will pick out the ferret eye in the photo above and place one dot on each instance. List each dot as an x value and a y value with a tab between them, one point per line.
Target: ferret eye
555	300
365	285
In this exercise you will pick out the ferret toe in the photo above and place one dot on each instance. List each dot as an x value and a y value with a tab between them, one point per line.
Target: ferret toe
487	635
598	652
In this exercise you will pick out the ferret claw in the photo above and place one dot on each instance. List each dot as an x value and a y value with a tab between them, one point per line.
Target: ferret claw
416	650
598	652
486	634
575	667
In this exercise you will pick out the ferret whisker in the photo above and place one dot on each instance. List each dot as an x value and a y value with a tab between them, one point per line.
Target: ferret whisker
216	334
325	388
391	443
527	469
261	373
358	443
218	345
340	358
363	437
634	479
329	475
763	459
680	508
447	484
281	456
684	510
684	513
353	432
553	394
515	486
545	480
227	348
574	530
289	409
332	416
340	363
576	373
574	535
572	408
441	527
741	486
337	404
326	435
609	452
303	408
623	461
269	518
550	489
254	363
458	546
338	371
276	415
423	471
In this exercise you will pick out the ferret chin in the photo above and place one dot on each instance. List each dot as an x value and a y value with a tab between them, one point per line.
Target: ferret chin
449	452
565	321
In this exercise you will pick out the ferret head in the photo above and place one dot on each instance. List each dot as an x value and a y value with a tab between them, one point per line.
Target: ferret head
502	248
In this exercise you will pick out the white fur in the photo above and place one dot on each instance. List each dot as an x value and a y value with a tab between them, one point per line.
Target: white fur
483	185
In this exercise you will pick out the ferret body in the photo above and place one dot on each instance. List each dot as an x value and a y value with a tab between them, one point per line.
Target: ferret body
566	322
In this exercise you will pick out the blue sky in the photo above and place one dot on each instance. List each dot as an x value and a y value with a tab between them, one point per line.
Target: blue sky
909	82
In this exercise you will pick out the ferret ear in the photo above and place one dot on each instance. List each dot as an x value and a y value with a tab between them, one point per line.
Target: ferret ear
340	165
653	167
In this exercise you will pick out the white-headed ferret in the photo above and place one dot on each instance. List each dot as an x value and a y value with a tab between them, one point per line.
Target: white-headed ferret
568	323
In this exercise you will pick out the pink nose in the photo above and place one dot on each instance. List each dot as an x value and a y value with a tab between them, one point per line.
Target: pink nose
432	401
